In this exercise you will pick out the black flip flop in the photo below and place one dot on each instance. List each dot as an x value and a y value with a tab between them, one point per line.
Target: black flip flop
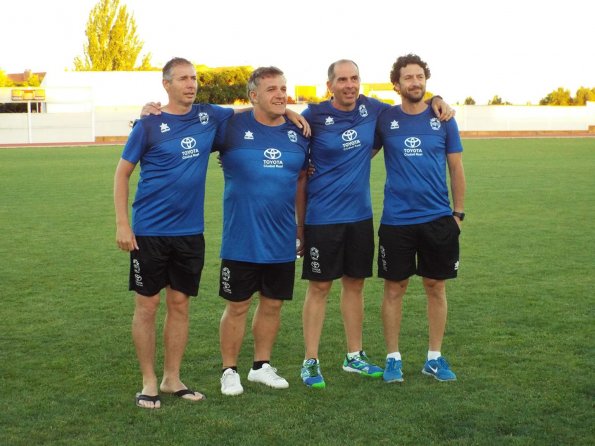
141	397
181	393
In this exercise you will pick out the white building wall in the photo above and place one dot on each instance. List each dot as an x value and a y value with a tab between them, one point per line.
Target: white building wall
89	106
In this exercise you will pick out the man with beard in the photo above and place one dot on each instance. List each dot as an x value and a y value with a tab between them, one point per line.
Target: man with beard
419	231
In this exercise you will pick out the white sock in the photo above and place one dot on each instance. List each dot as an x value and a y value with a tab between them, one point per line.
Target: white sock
396	355
433	355
352	355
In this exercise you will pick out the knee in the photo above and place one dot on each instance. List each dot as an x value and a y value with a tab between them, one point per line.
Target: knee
237	309
435	288
319	290
147	307
395	290
352	285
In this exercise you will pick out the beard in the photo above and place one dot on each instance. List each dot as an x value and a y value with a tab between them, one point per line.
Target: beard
415	97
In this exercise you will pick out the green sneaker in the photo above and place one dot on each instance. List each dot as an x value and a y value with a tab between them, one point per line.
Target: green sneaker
311	374
361	364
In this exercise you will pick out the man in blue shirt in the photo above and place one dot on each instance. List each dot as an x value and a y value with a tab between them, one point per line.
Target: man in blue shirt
339	230
165	240
419	232
264	160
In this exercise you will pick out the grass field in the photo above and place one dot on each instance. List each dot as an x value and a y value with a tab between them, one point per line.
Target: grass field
520	334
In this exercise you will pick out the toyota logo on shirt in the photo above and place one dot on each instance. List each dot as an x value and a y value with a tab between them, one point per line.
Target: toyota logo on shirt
412	142
349	135
188	143
272	154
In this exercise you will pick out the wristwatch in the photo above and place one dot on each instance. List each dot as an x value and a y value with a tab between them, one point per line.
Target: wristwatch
461	215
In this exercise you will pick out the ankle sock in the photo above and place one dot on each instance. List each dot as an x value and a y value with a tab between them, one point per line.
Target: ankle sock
395	355
351	355
257	365
433	355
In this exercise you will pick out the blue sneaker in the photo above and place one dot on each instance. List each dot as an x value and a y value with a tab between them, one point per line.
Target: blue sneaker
311	374
392	371
438	368
362	365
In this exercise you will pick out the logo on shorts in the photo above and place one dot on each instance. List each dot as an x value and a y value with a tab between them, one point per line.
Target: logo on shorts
292	136
314	253
315	267
138	279
383	258
272	156
204	118
435	123
457	265
225	276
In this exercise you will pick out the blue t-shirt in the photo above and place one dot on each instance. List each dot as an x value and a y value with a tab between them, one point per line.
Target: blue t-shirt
415	150
341	150
261	165
173	151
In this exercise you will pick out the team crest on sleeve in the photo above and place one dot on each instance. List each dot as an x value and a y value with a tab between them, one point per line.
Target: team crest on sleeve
204	118
394	124
435	123
164	127
363	111
248	135
292	136
329	120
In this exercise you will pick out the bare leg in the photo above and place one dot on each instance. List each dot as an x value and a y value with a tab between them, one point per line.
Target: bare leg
437	311
265	326
352	309
392	310
231	331
175	338
313	315
143	335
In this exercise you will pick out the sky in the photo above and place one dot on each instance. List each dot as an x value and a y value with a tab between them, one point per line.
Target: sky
520	50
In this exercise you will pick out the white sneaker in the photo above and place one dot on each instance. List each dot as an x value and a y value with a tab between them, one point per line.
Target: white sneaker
230	383
267	375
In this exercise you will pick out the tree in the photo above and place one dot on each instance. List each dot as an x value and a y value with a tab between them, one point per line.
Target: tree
557	97
497	100
469	101
583	95
4	80
222	85
112	42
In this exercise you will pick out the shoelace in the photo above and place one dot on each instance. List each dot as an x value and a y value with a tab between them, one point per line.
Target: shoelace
442	362
392	365
312	368
272	372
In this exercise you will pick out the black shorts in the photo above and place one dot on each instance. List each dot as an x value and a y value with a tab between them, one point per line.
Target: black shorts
428	249
161	261
238	281
334	251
